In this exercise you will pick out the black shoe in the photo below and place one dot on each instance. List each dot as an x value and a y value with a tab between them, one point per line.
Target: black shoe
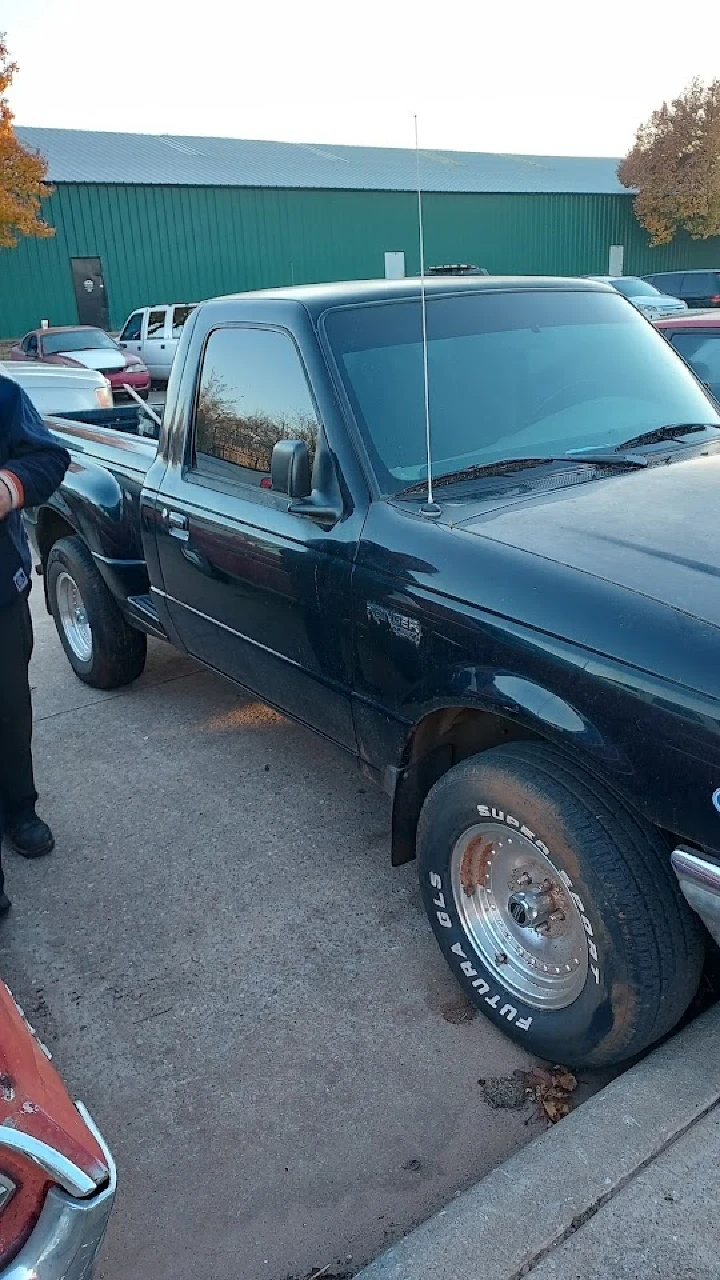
30	836
5	905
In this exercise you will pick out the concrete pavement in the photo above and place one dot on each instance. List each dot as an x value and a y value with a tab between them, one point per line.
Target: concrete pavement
625	1187
234	979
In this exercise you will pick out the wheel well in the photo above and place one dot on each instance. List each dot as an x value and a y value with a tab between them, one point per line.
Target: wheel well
439	741
51	526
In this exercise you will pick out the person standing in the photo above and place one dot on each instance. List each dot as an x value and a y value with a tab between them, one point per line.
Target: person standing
32	464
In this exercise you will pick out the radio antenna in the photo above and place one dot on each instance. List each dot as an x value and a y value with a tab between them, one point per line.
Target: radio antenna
429	508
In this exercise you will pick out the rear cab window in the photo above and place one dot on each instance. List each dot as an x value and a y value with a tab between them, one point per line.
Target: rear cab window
179	316
252	392
156	323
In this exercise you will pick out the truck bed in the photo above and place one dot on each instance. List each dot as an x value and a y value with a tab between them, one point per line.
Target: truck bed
107	439
111	462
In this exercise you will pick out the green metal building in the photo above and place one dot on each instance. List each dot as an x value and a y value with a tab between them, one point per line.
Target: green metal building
180	219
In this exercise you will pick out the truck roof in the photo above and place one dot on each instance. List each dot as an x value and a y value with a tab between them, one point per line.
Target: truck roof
318	297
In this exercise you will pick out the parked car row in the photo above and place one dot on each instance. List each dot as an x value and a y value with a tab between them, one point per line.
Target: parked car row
82	346
696	288
144	351
644	296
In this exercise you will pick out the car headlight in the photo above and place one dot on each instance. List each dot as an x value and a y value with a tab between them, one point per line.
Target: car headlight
104	396
135	366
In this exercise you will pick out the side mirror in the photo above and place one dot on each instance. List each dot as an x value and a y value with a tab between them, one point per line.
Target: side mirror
290	469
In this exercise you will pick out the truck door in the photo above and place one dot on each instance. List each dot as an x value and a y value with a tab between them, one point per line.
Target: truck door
131	336
155	346
259	593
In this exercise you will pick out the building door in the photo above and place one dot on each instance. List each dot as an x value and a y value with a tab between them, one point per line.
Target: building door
90	292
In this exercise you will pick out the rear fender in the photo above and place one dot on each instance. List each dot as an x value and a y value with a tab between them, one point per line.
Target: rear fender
94	505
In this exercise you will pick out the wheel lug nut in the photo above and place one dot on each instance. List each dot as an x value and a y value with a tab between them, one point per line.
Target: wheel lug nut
501	957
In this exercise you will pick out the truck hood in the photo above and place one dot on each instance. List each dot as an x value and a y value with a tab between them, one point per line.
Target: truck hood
653	532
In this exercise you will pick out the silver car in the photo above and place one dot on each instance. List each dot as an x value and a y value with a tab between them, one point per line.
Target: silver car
644	296
59	389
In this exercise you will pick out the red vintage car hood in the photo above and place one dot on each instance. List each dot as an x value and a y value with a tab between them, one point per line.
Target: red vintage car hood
33	1098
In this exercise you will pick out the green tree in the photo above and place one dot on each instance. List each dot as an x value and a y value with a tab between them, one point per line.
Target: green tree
674	164
22	172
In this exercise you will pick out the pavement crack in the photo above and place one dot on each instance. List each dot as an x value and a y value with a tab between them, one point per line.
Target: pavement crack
157	1013
112	697
579	1219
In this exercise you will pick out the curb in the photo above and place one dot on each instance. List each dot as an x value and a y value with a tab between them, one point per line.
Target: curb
501	1227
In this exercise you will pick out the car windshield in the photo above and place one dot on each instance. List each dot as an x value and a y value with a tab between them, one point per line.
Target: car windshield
631	287
76	340
521	374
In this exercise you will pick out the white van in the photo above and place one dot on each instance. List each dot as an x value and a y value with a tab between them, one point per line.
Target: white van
153	333
55	388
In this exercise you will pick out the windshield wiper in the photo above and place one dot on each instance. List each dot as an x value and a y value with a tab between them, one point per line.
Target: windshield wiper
505	466
671	432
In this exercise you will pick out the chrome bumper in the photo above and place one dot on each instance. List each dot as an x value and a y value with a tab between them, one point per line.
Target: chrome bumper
68	1233
699	879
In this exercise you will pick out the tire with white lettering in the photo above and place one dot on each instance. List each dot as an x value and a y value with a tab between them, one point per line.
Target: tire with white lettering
556	906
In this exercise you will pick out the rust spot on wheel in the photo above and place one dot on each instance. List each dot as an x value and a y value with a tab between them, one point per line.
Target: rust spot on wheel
475	863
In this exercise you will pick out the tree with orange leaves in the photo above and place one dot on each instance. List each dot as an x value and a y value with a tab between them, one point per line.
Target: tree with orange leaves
675	166
22	172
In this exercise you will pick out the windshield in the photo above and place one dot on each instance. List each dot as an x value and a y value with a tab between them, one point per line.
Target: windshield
511	375
631	287
77	340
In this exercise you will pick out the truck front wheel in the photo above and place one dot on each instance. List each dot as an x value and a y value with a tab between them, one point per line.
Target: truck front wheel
556	907
101	648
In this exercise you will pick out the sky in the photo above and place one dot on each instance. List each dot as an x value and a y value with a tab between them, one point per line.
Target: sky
553	77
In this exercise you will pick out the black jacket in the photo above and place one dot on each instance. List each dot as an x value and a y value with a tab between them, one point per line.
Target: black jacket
34	463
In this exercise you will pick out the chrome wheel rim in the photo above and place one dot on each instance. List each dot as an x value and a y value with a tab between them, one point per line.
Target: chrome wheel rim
518	913
73	616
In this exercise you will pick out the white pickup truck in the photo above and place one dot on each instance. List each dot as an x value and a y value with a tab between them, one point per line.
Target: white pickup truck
152	334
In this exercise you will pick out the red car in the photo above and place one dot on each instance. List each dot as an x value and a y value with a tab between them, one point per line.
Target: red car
89	347
696	335
57	1177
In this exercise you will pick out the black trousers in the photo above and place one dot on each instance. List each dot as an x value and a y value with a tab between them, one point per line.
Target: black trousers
17	785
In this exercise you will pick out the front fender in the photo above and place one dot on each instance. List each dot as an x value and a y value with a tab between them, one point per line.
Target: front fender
654	743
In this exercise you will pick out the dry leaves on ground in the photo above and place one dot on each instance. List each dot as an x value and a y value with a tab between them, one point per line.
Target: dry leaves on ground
549	1088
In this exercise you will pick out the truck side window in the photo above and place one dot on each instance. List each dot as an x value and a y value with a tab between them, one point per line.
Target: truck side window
133	329
253	392
156	324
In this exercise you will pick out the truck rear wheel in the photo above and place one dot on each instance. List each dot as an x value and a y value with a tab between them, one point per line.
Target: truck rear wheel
556	906
101	648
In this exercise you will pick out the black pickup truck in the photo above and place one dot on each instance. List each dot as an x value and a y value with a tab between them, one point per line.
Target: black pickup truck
530	664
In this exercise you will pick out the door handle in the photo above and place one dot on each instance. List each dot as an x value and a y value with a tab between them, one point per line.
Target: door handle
176	522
